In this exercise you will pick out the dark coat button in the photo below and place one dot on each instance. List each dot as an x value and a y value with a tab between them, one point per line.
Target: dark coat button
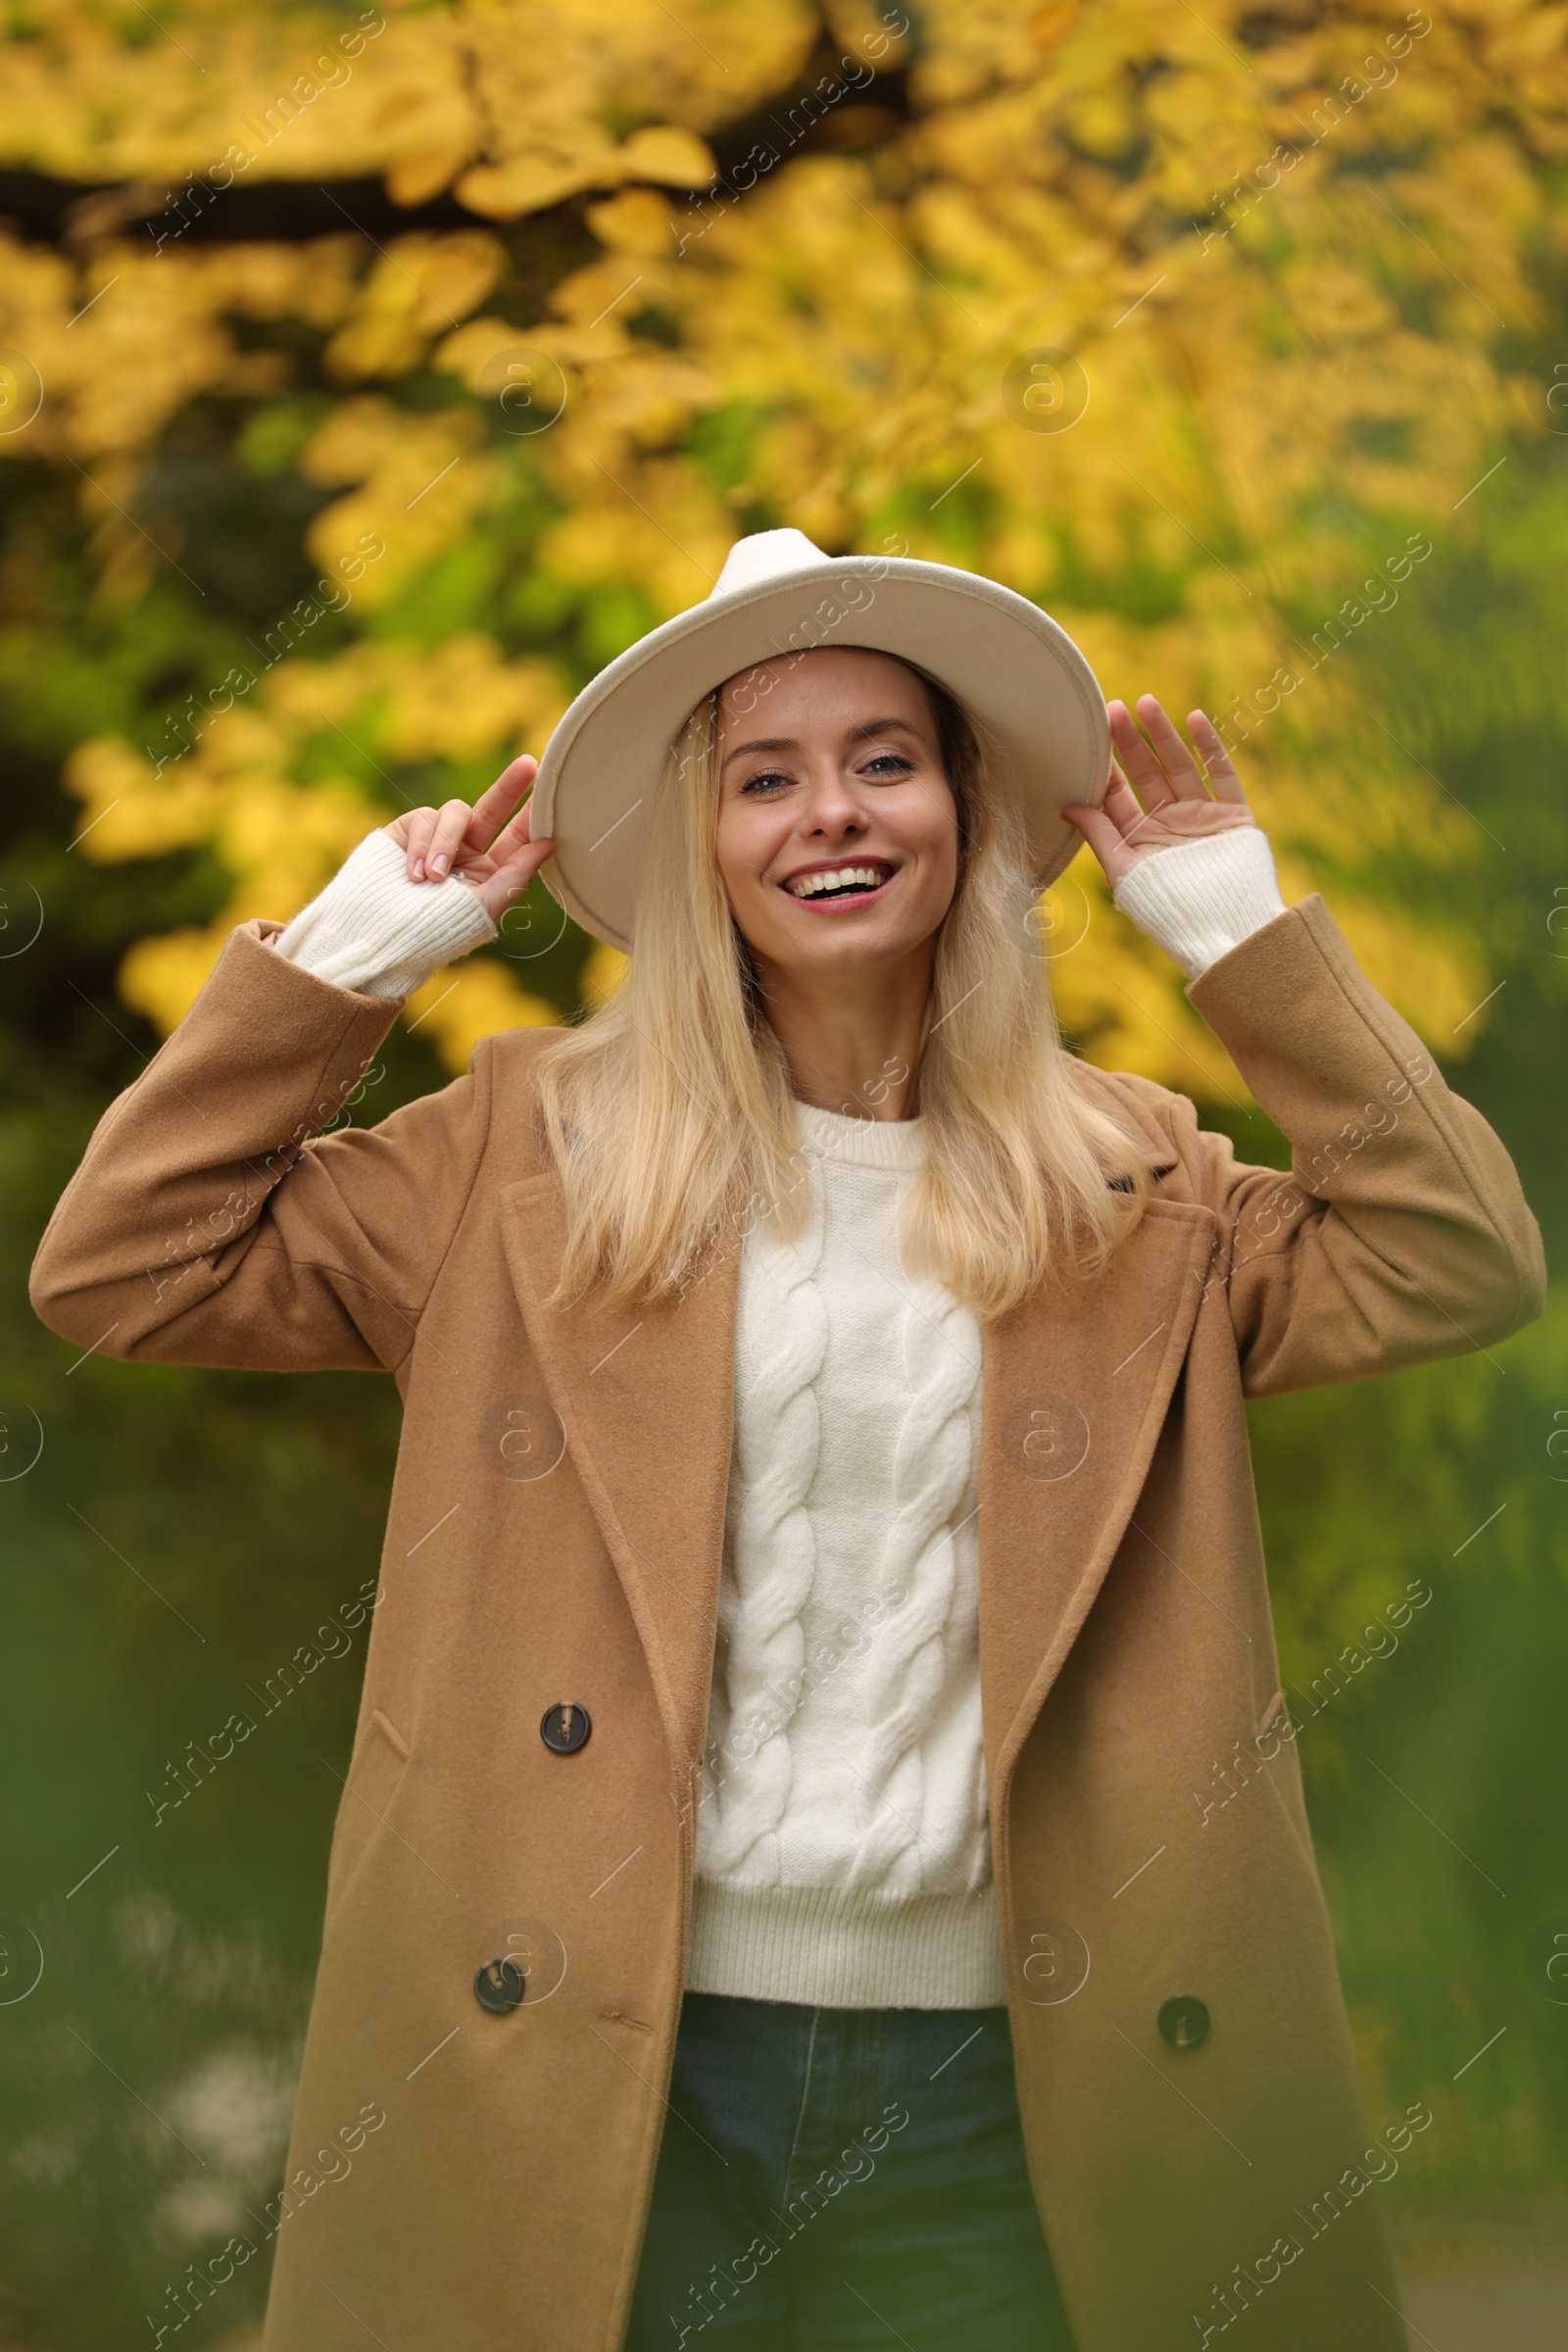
500	1985
565	1727
1184	2021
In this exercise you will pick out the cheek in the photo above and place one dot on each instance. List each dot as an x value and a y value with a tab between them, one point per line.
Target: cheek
740	848
938	849
948	861
724	854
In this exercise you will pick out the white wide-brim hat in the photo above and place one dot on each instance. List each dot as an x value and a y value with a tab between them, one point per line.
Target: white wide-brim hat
1016	672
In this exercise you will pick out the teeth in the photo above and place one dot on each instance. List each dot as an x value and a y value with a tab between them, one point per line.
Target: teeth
842	878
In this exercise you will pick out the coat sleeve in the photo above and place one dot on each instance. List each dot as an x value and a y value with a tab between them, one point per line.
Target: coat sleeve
1401	1233
210	1222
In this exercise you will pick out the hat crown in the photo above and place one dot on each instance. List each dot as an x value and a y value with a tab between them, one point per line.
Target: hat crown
765	556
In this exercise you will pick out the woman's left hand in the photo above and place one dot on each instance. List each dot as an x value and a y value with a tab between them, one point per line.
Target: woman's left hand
1157	798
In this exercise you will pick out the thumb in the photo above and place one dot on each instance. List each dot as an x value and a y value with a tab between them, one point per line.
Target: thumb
511	878
1103	837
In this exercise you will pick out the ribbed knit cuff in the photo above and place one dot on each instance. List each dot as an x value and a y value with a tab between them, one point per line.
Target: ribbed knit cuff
1203	899
375	931
840	1951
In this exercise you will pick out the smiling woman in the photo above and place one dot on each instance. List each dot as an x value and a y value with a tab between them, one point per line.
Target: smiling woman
809	1269
754	990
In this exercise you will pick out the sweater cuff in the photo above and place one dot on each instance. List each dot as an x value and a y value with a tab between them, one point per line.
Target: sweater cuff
375	931
1203	897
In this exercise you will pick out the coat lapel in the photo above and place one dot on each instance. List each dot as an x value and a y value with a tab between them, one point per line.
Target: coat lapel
647	1400
1076	1386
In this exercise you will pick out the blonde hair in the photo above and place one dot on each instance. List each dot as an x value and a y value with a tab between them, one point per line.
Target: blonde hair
670	1112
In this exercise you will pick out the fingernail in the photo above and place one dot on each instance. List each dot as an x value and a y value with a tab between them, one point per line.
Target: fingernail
419	869
439	862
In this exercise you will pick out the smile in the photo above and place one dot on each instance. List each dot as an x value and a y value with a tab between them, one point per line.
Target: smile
837	883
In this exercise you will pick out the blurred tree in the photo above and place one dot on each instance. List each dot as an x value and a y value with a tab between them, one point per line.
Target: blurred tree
371	376
1189	329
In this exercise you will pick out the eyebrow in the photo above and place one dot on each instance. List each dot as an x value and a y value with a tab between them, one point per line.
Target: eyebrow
791	743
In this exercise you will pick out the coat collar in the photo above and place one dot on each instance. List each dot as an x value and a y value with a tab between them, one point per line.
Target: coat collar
1076	1384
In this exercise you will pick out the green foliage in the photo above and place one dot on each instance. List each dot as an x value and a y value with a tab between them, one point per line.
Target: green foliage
1282	406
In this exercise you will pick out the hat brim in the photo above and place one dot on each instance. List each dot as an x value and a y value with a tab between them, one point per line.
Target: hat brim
1019	675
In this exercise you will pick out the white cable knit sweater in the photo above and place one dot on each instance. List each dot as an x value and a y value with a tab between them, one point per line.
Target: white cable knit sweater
843	1853
843	1845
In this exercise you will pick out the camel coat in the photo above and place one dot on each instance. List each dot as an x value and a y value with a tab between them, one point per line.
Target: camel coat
478	2179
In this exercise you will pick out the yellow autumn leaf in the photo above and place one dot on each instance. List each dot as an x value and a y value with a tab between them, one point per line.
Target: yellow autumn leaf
463	1003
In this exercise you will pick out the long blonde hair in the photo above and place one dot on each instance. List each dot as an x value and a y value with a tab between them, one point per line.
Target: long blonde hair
670	1111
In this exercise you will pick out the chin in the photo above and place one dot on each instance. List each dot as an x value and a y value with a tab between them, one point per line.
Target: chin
845	951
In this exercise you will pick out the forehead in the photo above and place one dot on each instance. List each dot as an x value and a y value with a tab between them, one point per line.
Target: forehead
829	687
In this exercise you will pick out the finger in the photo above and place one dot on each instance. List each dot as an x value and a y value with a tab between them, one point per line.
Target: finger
418	825
1101	835
1140	762
452	823
492	808
1182	769
1224	782
509	882
514	836
1122	806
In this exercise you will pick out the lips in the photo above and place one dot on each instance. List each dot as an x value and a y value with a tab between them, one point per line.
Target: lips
832	885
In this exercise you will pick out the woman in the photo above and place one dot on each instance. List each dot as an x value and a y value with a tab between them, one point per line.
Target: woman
823	1822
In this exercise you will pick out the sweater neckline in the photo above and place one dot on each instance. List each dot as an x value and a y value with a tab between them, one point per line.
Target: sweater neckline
867	1142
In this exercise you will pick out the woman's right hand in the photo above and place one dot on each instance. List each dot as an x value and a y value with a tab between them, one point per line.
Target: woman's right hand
489	845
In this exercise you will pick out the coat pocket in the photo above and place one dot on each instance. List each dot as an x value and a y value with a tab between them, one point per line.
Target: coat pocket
375	1769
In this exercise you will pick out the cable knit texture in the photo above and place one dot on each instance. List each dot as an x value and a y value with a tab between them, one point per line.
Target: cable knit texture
771	1539
843	1852
1203	898
905	1814
373	930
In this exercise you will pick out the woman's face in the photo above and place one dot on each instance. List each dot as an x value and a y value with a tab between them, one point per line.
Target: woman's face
838	834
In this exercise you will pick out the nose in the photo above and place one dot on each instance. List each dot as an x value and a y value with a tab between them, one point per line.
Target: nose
833	808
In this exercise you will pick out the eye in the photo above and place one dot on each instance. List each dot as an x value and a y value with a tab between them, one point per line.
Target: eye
767	780
889	763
